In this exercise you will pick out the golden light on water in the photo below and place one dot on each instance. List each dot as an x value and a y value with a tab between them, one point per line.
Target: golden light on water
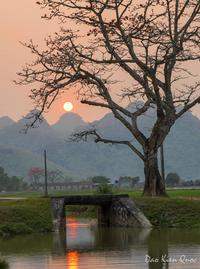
68	106
72	227
72	259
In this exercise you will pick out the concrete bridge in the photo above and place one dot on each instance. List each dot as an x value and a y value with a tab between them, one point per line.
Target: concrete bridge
117	210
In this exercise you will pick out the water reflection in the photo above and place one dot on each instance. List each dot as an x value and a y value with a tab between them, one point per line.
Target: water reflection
79	234
157	243
72	259
87	246
72	226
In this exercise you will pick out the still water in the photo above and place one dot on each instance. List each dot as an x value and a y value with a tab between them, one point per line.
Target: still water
87	246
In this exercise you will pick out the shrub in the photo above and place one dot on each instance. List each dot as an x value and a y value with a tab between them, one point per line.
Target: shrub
15	228
104	188
173	180
25	216
3	264
100	179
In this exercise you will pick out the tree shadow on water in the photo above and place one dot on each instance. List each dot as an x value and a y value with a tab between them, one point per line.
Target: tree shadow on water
157	257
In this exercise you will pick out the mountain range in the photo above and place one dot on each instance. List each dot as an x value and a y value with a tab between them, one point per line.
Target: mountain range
20	151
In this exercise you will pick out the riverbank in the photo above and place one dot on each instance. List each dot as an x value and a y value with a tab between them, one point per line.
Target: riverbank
161	212
171	212
3	264
25	216
33	215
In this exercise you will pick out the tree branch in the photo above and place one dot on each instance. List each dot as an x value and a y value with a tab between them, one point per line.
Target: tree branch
83	136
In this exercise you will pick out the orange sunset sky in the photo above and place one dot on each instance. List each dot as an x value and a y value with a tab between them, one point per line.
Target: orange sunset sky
20	20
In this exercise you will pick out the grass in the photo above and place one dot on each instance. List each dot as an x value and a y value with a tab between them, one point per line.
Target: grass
39	194
25	216
172	193
184	193
83	211
3	264
165	212
180	209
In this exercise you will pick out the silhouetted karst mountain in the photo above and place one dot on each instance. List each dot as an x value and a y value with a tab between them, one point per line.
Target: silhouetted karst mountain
182	149
68	123
17	162
86	159
5	122
34	139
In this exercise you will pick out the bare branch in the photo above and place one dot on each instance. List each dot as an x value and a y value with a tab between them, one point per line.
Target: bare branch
84	135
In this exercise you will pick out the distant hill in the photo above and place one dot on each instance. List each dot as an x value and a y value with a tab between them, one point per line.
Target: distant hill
85	159
90	159
68	123
17	162
6	122
36	139
182	149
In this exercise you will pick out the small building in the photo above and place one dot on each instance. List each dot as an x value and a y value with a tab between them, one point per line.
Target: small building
71	186
127	182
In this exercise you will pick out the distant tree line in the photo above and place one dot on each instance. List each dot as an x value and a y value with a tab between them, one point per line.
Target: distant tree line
174	180
122	182
11	183
100	180
36	176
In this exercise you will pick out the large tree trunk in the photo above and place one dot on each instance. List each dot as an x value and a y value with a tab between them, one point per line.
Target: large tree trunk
154	183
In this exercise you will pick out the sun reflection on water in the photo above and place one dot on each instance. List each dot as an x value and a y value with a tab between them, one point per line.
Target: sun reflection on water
72	226
72	259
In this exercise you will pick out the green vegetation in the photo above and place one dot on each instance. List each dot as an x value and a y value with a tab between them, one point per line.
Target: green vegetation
11	183
180	209
100	179
17	161
173	179
184	193
172	193
25	216
104	188
3	264
171	212
83	211
128	181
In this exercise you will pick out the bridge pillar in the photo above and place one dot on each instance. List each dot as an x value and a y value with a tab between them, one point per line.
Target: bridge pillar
123	212
118	210
104	215
58	213
59	244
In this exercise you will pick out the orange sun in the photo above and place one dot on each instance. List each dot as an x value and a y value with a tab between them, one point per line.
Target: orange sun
68	106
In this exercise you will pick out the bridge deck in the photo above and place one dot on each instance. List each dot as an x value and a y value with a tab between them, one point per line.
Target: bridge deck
89	199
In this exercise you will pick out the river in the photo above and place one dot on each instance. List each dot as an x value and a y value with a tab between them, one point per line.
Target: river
87	246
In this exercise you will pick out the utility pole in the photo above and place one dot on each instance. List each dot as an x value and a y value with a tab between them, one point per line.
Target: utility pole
45	174
162	161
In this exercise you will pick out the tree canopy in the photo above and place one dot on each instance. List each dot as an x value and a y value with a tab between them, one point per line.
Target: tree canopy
126	50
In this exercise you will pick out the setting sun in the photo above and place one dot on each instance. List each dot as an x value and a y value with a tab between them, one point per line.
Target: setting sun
68	106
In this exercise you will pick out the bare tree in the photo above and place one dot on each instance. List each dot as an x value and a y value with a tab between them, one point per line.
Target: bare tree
55	175
137	50
35	175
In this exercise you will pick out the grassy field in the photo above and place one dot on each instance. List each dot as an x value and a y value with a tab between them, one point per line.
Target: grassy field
25	216
180	209
3	264
172	193
165	212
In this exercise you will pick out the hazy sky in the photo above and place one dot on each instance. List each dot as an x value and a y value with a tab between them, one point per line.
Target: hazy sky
21	20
